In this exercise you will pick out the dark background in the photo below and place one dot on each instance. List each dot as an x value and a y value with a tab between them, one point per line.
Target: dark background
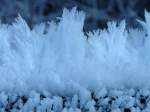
98	12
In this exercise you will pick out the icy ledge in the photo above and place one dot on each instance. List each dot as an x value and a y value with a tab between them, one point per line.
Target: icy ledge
55	57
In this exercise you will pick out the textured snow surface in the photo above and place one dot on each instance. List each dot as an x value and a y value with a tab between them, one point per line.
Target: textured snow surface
60	58
112	100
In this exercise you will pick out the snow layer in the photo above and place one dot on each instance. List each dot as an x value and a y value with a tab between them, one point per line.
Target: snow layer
58	57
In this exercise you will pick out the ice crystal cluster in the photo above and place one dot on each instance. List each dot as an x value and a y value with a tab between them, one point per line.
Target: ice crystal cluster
106	100
60	58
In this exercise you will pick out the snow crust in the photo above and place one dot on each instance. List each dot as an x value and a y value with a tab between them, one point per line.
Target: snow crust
60	58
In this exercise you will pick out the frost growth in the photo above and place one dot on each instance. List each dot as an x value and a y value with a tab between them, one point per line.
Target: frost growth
60	57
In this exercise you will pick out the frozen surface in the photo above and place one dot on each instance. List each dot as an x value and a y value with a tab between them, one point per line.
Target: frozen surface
61	59
37	102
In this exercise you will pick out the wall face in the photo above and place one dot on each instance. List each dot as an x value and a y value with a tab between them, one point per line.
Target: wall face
98	12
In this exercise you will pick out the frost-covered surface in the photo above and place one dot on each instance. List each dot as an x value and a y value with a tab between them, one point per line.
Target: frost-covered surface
61	59
112	100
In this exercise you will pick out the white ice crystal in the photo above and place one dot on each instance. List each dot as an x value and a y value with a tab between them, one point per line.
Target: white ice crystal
59	56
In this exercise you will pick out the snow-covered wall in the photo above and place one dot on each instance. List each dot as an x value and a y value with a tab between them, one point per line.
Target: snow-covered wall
60	58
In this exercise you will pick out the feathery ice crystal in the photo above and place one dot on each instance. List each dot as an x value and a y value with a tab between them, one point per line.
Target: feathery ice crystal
60	56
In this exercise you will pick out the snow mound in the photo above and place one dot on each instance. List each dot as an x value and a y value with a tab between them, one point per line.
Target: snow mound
58	57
